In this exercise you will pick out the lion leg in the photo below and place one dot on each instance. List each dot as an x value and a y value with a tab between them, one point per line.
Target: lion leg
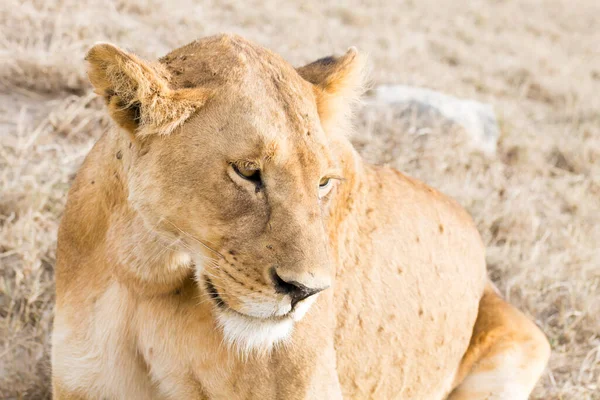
506	356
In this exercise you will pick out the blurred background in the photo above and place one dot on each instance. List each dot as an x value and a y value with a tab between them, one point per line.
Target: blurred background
535	194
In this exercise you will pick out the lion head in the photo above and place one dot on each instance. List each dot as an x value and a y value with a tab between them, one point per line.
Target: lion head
235	164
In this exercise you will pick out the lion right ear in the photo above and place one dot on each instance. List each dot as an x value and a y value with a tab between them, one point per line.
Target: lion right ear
137	93
338	83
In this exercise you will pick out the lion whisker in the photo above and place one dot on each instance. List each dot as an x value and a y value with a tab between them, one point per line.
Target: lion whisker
195	238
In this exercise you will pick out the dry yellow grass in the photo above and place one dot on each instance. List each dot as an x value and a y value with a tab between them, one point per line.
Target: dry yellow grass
537	202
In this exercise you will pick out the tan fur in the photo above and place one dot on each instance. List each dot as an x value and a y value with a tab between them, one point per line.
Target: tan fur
157	211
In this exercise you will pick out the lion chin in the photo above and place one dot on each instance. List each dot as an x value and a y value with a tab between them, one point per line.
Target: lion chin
248	335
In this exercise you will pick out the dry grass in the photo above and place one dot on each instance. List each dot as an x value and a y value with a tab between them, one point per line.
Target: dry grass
537	203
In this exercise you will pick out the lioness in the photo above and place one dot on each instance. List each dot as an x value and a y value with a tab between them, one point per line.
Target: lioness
225	241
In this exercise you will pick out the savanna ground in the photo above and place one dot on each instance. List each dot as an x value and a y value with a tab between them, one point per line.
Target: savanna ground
536	202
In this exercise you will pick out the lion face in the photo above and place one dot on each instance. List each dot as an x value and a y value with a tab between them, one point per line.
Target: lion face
247	193
234	168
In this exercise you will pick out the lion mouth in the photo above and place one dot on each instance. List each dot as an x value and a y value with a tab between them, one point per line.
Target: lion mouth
214	294
221	304
248	332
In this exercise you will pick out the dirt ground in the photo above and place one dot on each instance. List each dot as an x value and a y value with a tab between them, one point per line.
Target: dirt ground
536	202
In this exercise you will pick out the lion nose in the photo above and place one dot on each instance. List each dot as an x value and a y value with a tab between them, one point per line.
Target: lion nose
296	290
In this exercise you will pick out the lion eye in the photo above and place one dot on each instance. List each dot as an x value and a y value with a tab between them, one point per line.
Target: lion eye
325	185
249	174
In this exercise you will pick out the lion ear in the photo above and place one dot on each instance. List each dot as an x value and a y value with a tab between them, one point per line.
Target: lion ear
137	93
338	83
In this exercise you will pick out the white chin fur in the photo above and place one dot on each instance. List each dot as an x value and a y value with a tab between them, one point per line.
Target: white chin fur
264	309
249	335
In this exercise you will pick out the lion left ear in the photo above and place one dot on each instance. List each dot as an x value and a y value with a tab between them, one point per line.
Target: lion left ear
137	92
338	84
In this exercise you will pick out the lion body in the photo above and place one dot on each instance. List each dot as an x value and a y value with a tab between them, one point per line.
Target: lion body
134	322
